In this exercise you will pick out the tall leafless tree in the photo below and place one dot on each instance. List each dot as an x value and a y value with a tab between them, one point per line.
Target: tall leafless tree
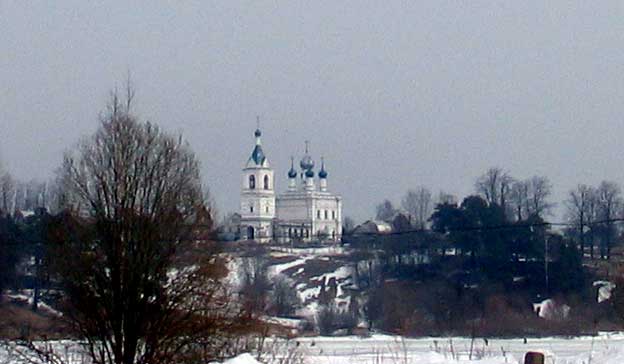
7	190
609	204
519	198
579	211
531	197
385	211
445	198
495	186
417	203
540	190
140	289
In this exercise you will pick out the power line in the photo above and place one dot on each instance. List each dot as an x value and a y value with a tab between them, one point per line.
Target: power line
508	226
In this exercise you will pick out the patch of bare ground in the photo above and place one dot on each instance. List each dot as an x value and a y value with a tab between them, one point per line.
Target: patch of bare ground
18	320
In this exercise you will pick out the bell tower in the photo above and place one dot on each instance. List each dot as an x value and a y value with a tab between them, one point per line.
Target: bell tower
257	207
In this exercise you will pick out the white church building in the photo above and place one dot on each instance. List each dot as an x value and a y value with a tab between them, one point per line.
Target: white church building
305	212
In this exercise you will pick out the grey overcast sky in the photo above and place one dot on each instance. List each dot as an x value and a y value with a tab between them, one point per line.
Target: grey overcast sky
394	94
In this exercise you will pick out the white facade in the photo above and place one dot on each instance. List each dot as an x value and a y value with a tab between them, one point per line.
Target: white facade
306	212
257	208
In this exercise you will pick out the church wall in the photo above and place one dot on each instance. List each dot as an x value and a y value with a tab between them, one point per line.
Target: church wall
327	218
293	209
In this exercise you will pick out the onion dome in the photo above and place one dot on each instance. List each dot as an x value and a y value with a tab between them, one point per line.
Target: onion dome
322	172
309	173
258	155
292	173
306	162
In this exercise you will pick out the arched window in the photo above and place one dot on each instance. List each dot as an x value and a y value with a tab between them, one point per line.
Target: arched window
307	233
318	214
290	232
252	182
333	215
266	181
333	234
326	215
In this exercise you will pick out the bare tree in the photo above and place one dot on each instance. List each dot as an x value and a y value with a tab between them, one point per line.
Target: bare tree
255	284
385	211
495	186
139	287
609	203
540	190
7	190
520	199
284	298
592	217
347	225
417	203
530	197
579	212
446	198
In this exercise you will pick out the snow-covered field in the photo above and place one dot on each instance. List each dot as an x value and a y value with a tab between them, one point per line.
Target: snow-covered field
382	349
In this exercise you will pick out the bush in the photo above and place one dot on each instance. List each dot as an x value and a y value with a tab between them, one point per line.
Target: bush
330	319
284	300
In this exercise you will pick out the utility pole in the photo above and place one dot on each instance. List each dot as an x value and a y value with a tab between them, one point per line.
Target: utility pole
546	263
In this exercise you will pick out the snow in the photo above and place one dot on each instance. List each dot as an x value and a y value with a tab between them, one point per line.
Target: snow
283	321
29	299
308	293
242	359
340	273
605	348
549	309
604	290
316	251
384	349
279	268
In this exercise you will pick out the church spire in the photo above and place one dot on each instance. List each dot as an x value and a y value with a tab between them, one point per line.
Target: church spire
322	172
258	133
292	173
257	158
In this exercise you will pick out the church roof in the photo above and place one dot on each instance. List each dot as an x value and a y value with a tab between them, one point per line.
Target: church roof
257	155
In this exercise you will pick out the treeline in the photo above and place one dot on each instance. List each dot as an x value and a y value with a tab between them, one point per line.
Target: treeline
17	196
591	213
24	256
479	264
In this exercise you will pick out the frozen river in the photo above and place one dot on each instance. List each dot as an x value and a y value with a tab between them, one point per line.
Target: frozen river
383	349
602	349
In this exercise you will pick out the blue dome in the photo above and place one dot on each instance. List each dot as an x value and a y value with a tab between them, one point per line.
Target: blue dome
322	172
258	155
309	173
292	173
306	162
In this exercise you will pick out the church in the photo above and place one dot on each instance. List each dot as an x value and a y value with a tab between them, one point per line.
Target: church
305	212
